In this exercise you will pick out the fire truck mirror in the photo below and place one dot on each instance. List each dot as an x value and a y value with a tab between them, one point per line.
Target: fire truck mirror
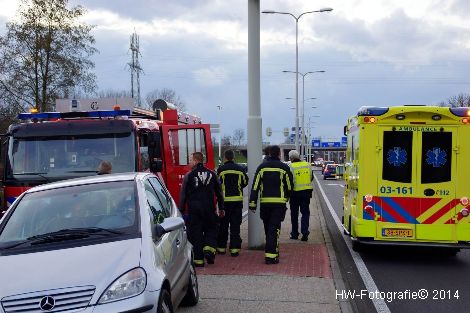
156	166
3	149
154	145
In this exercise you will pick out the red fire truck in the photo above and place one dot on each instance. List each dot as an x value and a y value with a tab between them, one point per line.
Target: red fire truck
52	146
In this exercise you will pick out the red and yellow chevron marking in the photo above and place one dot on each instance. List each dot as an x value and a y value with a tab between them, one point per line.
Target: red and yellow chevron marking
439	212
416	210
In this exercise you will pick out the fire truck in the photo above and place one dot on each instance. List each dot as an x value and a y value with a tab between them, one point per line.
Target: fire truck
51	146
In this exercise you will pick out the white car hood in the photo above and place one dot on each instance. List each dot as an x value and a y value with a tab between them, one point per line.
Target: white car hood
97	265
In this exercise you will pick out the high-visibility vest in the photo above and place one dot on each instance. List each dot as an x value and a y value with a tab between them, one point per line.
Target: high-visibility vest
302	172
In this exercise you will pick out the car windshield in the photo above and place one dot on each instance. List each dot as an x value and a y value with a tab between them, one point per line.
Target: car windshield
99	206
68	156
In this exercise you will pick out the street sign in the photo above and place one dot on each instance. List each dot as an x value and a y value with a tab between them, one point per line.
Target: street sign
331	144
344	141
316	143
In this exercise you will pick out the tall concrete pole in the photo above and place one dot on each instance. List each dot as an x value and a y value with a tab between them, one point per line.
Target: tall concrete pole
297	84
254	144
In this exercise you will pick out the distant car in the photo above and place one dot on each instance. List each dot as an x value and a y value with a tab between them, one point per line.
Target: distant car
107	243
324	164
330	171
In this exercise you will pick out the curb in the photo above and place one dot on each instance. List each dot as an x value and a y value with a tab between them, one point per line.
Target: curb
345	305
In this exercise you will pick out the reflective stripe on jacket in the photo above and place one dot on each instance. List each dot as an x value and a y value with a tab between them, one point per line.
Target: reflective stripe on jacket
233	179
302	173
272	183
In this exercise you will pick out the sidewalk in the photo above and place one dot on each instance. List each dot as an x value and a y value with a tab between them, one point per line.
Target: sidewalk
301	283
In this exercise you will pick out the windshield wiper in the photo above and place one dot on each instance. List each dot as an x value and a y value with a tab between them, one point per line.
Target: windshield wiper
63	235
33	173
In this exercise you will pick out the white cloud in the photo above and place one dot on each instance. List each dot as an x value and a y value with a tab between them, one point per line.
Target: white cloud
212	76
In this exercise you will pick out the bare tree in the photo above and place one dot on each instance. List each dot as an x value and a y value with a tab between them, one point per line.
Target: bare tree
460	100
238	136
166	94
44	54
111	93
226	141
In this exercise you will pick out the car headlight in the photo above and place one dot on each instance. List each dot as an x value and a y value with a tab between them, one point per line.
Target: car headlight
128	285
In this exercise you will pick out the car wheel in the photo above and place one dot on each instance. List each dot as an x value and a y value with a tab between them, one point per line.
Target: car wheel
192	294
164	302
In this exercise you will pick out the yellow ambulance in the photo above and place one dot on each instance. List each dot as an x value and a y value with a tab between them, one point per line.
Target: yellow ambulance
407	177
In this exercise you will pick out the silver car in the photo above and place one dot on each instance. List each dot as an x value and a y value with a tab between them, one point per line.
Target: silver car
108	243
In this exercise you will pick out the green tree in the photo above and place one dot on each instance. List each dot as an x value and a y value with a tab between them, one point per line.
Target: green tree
44	55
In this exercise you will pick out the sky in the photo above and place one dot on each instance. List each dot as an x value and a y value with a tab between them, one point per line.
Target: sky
373	52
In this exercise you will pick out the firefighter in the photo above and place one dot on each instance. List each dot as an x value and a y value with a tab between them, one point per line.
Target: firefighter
302	173
198	189
233	179
273	184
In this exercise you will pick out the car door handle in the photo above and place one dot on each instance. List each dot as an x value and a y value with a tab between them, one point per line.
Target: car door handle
178	242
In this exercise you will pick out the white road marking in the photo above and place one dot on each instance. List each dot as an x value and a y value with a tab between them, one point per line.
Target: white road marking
369	282
342	186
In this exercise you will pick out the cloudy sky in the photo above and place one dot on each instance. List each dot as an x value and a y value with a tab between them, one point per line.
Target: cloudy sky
374	52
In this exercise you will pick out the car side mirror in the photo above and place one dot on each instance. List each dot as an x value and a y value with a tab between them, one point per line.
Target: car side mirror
169	224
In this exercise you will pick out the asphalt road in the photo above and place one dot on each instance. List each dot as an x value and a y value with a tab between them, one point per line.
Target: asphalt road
444	278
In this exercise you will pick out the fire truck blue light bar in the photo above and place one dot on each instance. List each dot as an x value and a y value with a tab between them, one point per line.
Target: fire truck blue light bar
56	115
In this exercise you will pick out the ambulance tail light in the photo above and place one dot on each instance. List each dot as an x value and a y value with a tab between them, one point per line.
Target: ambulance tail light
466	120
368	198
369	119
464	212
369	209
464	201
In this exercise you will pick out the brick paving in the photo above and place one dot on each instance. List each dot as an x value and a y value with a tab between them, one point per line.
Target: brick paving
295	260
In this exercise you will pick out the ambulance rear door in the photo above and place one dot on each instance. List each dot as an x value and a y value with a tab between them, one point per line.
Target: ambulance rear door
436	169
395	204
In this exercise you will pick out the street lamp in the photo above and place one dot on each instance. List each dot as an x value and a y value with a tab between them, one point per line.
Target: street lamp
219	107
297	62
302	151
309	130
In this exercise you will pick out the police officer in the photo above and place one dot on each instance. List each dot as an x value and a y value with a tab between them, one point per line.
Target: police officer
198	190
273	184
233	179
302	173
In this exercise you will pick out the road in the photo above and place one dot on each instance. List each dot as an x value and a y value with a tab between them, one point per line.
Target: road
445	278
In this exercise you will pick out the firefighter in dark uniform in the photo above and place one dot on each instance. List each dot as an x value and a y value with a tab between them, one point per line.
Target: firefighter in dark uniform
233	179
199	187
300	199
273	183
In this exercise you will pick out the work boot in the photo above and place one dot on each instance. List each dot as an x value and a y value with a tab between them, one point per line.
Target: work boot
304	238
234	254
210	257
221	251
271	260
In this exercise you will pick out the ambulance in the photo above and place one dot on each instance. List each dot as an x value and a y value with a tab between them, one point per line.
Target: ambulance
406	178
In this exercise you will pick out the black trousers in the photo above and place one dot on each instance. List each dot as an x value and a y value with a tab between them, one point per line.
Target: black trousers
202	230
300	200
272	216
232	219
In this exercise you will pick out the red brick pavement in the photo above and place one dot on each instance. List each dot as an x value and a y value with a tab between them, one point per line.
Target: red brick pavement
304	260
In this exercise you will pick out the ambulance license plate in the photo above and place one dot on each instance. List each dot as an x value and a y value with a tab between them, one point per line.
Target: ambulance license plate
394	232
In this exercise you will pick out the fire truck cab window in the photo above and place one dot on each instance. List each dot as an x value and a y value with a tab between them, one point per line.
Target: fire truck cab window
184	142
69	156
397	156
